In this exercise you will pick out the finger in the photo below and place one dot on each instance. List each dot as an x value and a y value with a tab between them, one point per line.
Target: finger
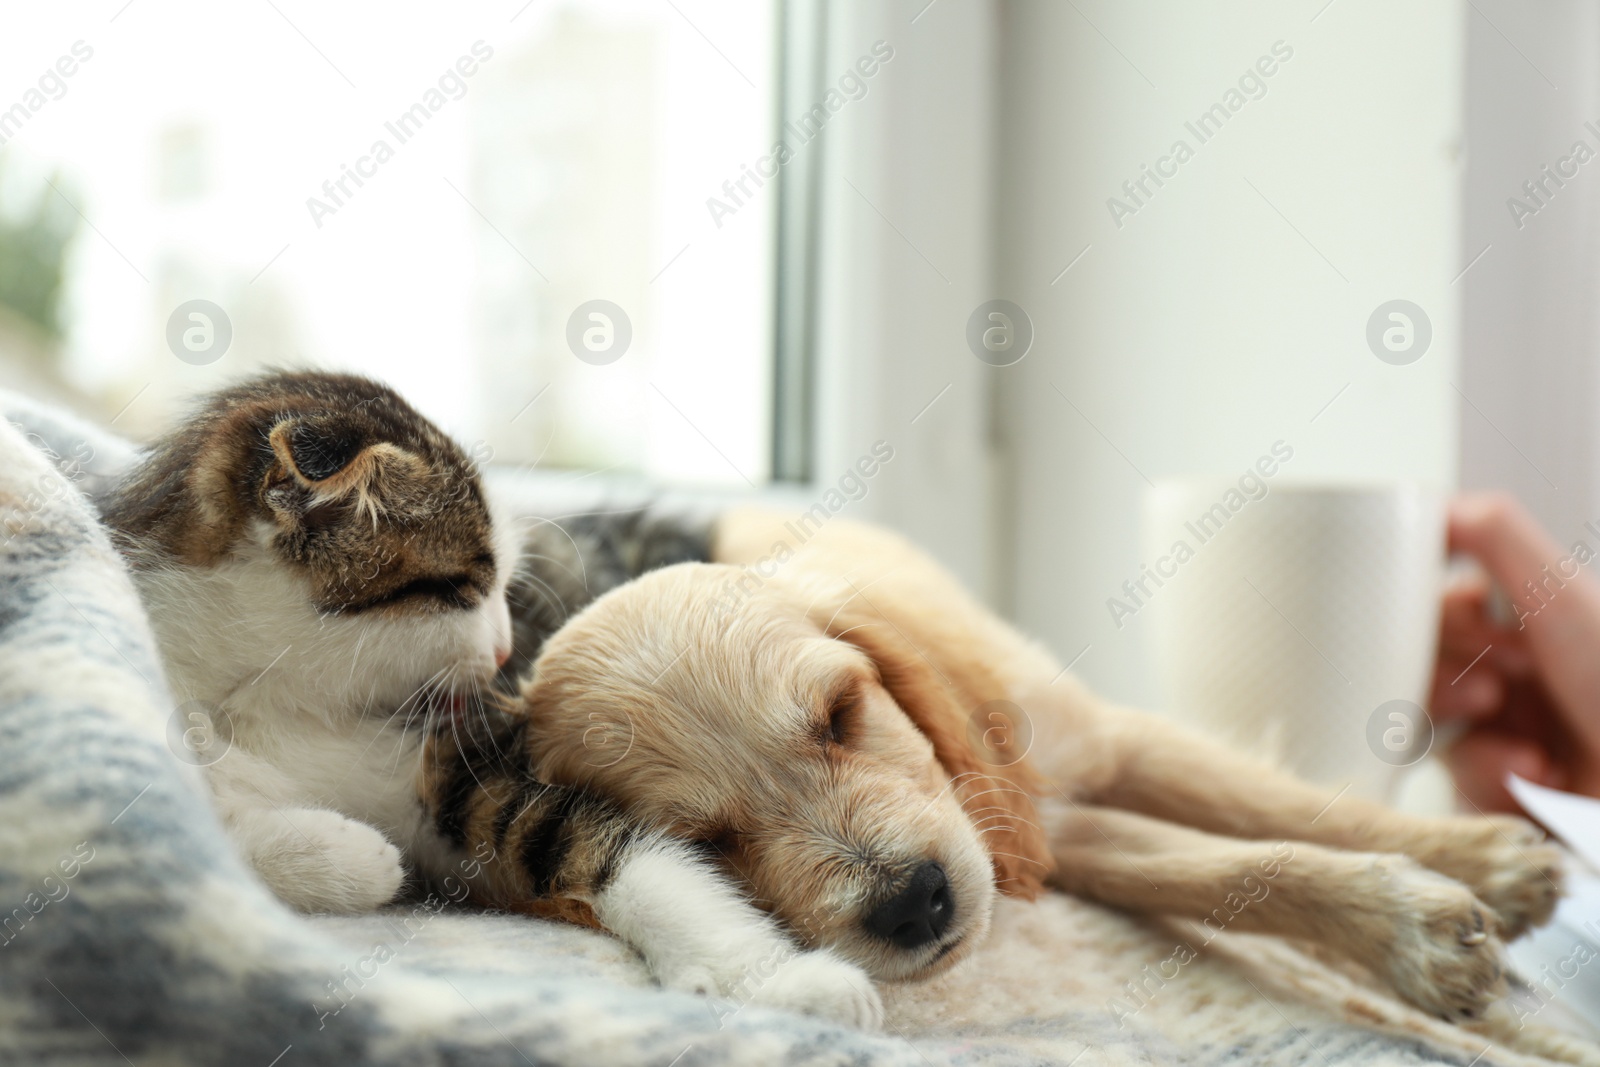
1510	655
1460	692
1480	762
1558	602
1464	625
1467	588
1497	531
1467	629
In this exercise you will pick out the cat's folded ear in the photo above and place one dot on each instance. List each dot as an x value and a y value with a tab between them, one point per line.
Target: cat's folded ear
316	451
323	460
313	450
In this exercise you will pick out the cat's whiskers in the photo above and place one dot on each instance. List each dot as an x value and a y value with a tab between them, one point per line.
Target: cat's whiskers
361	640
549	593
483	717
402	738
455	733
576	551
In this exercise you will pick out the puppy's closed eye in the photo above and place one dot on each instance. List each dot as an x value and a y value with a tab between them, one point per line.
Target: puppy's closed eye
842	718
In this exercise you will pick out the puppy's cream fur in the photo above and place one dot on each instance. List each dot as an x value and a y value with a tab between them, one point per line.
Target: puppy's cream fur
827	730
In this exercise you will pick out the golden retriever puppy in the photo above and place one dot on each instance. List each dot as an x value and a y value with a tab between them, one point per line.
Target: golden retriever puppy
876	755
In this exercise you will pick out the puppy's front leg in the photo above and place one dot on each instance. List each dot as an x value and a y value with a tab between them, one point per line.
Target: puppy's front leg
1423	933
1152	765
698	934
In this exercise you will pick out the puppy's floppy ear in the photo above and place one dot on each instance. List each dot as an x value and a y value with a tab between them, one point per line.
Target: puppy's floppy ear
942	692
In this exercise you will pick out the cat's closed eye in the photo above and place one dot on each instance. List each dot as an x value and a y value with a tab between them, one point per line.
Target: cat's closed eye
458	592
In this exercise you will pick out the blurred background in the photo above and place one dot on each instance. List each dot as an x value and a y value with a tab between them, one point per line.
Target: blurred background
796	209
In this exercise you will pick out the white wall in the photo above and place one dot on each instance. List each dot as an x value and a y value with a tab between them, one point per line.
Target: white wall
1231	308
907	254
1531	332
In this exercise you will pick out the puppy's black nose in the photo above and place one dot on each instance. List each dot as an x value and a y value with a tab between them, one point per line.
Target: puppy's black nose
917	915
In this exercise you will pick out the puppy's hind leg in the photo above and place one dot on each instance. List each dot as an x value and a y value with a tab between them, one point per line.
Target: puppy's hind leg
1426	935
1158	767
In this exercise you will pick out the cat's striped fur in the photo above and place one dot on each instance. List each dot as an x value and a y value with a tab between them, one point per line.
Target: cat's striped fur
553	848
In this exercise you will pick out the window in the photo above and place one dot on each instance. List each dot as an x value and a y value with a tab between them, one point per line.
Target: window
426	193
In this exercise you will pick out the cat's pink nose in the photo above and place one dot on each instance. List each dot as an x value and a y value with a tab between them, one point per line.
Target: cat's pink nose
501	655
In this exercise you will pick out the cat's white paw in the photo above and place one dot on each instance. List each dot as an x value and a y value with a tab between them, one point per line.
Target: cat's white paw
822	984
320	861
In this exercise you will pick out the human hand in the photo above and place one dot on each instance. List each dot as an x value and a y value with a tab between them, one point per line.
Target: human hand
1529	693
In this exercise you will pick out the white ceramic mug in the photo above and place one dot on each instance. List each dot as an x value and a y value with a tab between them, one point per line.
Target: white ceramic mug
1299	620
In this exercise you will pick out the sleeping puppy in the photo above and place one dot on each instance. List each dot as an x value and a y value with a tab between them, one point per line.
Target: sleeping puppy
876	756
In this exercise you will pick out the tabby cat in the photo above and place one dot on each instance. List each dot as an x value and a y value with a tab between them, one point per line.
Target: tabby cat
327	580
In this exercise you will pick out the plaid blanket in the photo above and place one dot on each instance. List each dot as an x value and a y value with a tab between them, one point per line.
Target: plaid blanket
130	932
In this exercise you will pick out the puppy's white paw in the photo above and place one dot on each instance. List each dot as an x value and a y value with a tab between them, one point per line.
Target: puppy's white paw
807	983
822	984
1438	947
701	981
320	861
697	934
